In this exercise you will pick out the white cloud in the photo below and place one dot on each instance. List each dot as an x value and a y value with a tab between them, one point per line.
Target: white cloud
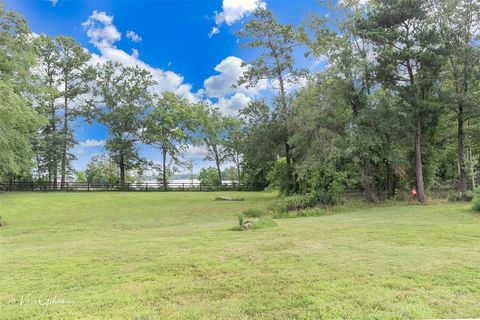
230	70
133	36
231	106
89	143
235	10
195	151
103	35
214	31
100	30
53	2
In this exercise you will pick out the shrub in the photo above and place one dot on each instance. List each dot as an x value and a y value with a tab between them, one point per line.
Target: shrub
253	213
278	178
241	217
476	202
466	196
299	202
327	187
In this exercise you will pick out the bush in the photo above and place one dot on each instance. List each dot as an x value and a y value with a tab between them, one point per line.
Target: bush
253	213
466	196
476	202
299	202
241	217
278	178
327	187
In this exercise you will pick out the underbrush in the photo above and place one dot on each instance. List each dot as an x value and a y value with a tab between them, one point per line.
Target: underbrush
253	219
476	202
466	196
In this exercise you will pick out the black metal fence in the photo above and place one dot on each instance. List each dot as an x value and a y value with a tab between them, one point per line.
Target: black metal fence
143	186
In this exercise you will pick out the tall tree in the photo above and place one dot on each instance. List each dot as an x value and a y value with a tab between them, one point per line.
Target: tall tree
234	144
168	127
122	98
408	62
49	141
275	42
73	78
212	131
459	27
18	120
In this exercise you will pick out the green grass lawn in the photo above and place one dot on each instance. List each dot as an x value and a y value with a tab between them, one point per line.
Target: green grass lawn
171	256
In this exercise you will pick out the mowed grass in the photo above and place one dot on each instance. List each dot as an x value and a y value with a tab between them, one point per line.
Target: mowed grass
171	256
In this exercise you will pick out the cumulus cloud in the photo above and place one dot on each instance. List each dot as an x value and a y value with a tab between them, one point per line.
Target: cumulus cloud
229	99
133	36
89	143
233	11
231	105
103	34
230	70
195	151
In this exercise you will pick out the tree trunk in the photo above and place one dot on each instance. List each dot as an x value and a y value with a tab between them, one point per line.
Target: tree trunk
164	170
462	181
418	160
122	172
217	161
288	158
65	133
367	185
54	165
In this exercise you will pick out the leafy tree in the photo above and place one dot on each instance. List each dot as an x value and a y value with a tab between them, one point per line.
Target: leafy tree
167	127
209	176
74	74
275	42
102	169
122	98
458	26
262	143
234	146
18	120
409	62
49	140
213	131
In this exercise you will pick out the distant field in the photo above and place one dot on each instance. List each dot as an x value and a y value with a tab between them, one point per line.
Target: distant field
171	256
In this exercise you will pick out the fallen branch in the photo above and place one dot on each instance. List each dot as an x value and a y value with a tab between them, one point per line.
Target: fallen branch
221	198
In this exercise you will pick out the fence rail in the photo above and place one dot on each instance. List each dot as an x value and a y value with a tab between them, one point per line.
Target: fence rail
143	186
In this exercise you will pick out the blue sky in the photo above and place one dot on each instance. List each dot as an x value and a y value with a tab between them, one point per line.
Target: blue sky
190	46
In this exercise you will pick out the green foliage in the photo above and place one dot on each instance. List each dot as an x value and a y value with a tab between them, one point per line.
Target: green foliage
297	202
123	96
168	127
253	213
278	177
326	186
209	176
103	170
476	201
241	217
466	196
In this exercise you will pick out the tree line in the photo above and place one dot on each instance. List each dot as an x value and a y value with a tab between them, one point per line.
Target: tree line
395	107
